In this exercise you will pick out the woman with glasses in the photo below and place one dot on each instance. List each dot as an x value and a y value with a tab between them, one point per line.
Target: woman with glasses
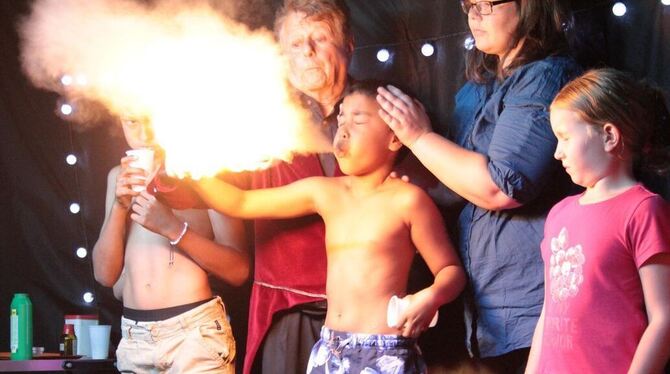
500	160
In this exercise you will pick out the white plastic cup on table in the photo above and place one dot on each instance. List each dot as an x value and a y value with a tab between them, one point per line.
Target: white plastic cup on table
99	336
397	307
144	159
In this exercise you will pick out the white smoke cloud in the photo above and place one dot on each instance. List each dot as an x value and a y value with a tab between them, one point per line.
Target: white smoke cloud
213	88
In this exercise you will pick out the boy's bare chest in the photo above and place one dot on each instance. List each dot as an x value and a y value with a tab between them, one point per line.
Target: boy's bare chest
365	220
140	238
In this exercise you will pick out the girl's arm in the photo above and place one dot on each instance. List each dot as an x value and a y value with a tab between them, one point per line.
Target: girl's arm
653	351
533	364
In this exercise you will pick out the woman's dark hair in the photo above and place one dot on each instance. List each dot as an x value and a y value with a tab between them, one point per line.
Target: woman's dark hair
541	28
637	109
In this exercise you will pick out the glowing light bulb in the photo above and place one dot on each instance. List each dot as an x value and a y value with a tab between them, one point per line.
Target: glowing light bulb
619	9
66	109
71	159
88	297
74	208
383	55
427	49
469	43
665	2
66	80
81	80
82	252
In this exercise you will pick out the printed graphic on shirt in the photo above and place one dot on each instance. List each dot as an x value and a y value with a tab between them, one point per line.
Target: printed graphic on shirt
565	267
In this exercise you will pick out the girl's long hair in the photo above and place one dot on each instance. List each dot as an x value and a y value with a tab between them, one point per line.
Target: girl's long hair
637	109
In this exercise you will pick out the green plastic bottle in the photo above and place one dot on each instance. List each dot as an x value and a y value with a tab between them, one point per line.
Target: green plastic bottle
21	327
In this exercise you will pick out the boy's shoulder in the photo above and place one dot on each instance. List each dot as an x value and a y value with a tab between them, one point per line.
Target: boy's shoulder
408	194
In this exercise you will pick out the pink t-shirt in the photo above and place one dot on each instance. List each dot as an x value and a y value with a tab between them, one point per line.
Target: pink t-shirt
594	305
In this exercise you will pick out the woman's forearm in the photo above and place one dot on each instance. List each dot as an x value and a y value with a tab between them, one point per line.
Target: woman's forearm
463	171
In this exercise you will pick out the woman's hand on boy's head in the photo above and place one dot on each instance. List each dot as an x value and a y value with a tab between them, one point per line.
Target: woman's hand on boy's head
405	116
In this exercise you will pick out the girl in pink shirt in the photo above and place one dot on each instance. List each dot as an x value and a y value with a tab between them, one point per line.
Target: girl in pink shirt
607	250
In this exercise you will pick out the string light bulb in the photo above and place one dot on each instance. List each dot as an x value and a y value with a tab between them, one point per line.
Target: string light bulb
81	80
427	49
383	55
66	80
71	159
469	43
66	109
82	252
74	208
88	297
619	9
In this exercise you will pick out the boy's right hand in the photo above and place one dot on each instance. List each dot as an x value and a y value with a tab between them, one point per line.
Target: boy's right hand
419	314
127	178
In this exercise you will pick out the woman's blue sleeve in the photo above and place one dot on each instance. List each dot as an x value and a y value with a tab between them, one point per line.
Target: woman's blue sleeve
521	151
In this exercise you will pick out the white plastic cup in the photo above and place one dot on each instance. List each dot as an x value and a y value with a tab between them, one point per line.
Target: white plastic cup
144	159
397	307
99	335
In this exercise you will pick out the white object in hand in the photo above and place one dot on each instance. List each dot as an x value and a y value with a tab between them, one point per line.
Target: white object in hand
144	159
397	306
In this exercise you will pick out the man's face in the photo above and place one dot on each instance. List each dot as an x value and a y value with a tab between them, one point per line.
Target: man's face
318	57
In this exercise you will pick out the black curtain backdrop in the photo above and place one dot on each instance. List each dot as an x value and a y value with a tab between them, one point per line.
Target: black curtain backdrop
39	235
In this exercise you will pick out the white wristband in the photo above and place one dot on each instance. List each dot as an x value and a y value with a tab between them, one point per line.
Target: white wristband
181	235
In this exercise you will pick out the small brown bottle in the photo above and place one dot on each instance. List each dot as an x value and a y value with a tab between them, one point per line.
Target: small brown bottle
68	341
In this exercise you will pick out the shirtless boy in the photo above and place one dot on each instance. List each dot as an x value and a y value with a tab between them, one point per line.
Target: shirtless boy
164	287
374	226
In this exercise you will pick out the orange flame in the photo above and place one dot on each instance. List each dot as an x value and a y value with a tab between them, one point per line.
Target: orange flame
214	91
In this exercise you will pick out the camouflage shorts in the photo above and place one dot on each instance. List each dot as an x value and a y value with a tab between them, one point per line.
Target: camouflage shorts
342	352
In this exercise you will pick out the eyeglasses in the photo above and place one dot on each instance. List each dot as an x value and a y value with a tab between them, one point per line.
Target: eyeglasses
483	8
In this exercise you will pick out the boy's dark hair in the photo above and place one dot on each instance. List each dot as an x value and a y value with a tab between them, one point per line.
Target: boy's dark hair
368	87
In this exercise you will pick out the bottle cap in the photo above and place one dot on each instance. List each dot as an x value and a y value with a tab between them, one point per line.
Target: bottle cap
68	328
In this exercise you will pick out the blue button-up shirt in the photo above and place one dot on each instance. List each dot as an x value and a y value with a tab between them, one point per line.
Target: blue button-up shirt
508	122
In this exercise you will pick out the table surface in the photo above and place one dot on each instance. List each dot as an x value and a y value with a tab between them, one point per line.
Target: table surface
56	364
31	365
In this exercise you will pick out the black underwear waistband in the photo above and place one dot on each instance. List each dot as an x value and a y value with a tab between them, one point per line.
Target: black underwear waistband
150	315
